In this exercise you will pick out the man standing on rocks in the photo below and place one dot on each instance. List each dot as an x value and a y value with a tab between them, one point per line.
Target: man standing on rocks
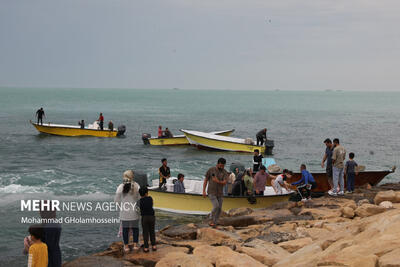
338	157
328	158
216	178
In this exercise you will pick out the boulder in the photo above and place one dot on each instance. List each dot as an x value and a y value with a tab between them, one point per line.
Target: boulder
264	252
294	245
366	210
363	201
385	196
306	256
216	237
180	232
178	259
386	204
347	212
238	221
351	204
391	259
239	211
101	261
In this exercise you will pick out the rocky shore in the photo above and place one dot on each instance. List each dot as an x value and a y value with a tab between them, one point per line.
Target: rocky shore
359	229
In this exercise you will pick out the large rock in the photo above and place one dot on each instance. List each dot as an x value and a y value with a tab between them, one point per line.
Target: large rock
295	245
239	211
238	221
225	257
386	204
100	261
217	237
307	256
178	259
391	259
347	212
385	196
180	231
366	210
264	252
363	201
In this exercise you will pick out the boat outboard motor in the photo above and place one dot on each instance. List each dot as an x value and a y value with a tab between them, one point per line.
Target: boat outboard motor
235	165
145	138
121	130
269	145
141	179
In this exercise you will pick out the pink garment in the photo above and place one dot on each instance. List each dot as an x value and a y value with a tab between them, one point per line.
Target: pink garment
27	244
260	181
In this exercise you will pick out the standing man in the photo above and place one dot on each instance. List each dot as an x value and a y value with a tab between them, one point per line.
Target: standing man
216	178
164	173
260	181
338	157
160	132
40	114
328	158
261	135
257	160
101	121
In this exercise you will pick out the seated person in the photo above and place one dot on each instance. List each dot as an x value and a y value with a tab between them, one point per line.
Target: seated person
82	124
280	182
167	133
179	187
305	184
110	126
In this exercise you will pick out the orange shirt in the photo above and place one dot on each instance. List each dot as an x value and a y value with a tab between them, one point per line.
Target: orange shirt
38	256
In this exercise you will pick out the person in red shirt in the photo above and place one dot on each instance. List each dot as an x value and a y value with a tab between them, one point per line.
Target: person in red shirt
101	121
160	132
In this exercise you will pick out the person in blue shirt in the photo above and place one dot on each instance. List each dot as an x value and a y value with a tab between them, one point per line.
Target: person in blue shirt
179	187
305	184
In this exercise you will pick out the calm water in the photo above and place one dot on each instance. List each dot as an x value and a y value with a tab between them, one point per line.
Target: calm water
34	165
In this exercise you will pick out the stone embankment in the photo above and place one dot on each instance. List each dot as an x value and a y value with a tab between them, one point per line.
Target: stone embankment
359	229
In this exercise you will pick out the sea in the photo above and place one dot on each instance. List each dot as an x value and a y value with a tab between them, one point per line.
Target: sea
89	169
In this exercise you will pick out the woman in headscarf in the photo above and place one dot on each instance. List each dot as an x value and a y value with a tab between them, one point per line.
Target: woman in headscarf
127	195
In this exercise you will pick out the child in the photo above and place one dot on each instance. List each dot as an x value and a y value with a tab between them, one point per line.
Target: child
38	256
148	219
350	172
280	182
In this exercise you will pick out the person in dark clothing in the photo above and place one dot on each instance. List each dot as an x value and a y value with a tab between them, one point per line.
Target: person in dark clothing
40	114
110	126
148	219
257	160
82	124
350	172
306	183
167	133
51	237
239	188
101	121
164	173
261	136
328	158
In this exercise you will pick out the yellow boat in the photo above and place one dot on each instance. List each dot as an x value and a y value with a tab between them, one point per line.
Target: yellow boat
71	130
226	143
195	203
176	140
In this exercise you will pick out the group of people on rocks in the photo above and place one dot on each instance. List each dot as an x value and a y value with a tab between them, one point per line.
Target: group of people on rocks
336	168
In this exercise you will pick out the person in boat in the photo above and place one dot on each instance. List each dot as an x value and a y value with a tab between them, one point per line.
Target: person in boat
160	132
238	187
216	178
164	173
111	126
260	180
248	182
127	195
280	182
257	160
167	133
101	121
328	159
229	183
179	187
82	124
40	115
261	136
305	184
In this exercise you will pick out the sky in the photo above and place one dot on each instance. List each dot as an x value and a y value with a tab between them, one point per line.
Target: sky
204	44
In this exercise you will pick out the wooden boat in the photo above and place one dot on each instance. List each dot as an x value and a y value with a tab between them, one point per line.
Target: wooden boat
225	143
363	178
176	140
193	202
72	130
